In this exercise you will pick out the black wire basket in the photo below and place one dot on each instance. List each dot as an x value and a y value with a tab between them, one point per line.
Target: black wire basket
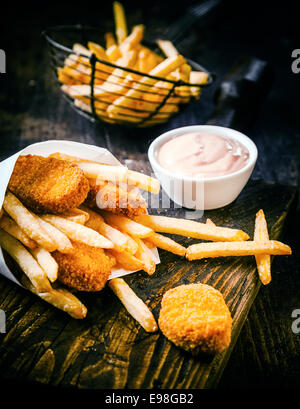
102	90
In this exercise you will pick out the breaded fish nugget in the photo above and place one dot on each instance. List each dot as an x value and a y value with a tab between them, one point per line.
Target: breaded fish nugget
86	268
196	318
48	185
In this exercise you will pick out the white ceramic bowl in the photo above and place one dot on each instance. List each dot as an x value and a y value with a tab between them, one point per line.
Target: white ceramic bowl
206	193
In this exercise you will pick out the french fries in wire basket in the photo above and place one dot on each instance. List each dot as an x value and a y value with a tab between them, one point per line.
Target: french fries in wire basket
124	96
75	249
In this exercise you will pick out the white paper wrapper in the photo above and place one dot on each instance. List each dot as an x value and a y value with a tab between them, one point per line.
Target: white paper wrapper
45	149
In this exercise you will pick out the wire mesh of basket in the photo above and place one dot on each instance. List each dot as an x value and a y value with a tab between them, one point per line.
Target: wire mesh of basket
102	90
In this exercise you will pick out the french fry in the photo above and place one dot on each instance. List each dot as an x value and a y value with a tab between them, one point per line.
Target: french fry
76	215
109	40
113	86
167	48
143	254
133	304
131	97
142	181
77	232
149	244
80	74
71	61
143	106
87	108
11	227
70	76
46	261
83	91
182	73
62	242
84	66
134	39
98	50
81	49
199	78
77	218
210	222
26	261
130	177
27	222
104	172
190	228
113	260
142	63
59	298
96	222
129	226
110	196
132	246
113	53
238	248
163	69
147	60
153	60
126	260
120	21
69	158
127	60
116	83
261	234
99	106
166	243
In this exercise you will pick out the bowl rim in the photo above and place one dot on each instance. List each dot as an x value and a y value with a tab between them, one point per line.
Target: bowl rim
220	130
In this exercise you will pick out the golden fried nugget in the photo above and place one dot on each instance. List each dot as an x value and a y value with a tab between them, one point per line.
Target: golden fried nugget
196	318
48	184
86	268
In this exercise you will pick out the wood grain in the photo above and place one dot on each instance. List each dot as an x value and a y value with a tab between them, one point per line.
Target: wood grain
109	349
266	352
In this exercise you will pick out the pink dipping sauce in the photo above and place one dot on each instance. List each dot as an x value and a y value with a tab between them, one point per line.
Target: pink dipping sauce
202	154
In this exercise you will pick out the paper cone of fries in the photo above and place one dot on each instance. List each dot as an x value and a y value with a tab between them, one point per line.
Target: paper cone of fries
83	151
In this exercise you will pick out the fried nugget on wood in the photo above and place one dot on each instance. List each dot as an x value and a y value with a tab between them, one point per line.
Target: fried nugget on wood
86	268
115	198
196	318
48	184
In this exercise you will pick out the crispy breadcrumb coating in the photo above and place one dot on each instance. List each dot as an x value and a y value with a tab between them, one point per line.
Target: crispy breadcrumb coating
48	185
116	199
196	318
86	268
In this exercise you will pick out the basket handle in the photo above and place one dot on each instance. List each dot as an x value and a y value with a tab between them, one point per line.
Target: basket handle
241	93
177	30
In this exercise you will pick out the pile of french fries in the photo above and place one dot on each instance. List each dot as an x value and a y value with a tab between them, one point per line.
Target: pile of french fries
123	96
30	238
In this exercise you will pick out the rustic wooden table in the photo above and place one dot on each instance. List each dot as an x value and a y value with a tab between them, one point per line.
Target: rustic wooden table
267	352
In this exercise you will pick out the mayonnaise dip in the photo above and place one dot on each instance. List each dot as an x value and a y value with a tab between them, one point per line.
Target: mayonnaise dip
202	154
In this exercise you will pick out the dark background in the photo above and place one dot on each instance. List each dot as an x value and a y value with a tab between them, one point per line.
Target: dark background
267	351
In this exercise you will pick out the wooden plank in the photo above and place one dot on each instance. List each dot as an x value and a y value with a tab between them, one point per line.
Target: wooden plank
109	349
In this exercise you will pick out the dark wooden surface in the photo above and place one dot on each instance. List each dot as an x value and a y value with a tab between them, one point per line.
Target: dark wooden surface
109	349
266	353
